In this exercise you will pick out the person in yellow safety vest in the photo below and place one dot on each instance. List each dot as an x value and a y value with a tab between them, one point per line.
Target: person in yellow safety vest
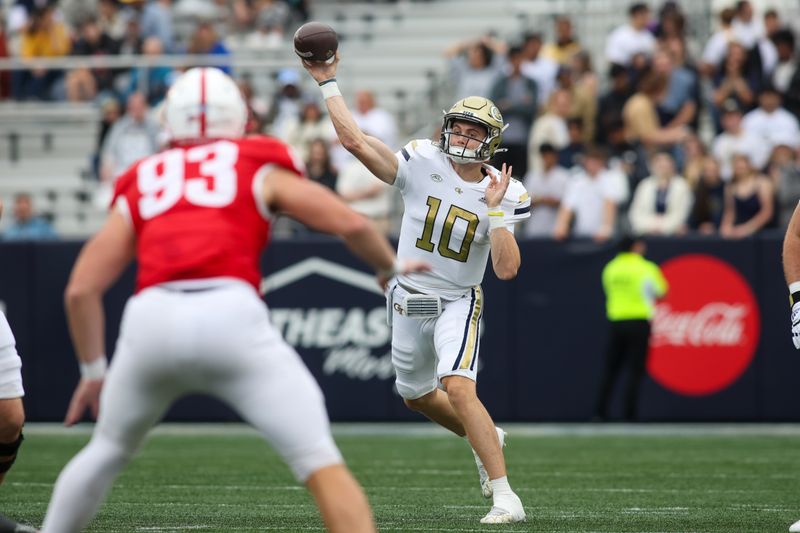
631	284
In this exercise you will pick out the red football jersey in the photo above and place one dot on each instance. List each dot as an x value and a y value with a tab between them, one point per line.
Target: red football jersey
198	210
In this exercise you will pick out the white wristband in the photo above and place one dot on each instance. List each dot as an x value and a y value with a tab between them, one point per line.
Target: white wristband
794	287
94	370
330	88
497	218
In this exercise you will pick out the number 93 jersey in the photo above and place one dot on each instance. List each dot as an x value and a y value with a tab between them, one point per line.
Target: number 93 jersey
198	210
446	222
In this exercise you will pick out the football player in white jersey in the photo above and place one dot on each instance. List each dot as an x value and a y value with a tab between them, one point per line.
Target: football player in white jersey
12	413
458	209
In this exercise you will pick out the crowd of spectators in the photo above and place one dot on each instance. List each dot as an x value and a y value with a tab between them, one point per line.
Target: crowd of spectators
672	136
680	136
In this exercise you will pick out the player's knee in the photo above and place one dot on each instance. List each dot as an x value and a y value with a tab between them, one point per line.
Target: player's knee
419	404
460	391
11	426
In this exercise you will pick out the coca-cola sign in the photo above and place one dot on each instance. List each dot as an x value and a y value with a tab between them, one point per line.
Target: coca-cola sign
706	330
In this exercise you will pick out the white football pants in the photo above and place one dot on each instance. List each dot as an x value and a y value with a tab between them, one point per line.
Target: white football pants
426	350
218	342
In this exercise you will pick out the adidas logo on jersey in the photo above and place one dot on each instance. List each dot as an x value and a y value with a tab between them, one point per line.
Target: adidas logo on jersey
436	177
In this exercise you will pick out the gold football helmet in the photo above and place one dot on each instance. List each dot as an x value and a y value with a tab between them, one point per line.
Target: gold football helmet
481	111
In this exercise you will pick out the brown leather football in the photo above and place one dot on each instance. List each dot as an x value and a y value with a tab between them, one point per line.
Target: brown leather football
315	41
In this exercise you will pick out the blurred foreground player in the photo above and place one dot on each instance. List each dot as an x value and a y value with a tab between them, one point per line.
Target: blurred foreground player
12	413
791	270
458	209
196	217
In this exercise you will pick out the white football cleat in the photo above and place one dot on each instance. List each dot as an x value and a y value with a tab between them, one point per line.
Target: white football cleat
486	484
795	528
507	510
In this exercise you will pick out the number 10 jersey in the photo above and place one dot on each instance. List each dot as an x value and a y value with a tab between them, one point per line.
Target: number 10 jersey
446	222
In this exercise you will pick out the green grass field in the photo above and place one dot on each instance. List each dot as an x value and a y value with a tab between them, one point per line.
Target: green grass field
651	481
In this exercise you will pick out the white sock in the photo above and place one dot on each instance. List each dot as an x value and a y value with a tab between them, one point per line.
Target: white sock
501	487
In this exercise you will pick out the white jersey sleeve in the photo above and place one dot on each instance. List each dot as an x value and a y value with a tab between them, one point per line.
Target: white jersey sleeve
516	204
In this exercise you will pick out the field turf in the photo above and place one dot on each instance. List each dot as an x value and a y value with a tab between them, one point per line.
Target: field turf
223	478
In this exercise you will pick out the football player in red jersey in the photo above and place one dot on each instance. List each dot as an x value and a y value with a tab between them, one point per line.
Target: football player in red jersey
196	216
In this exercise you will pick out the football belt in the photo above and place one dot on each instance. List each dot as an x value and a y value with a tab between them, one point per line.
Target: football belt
421	306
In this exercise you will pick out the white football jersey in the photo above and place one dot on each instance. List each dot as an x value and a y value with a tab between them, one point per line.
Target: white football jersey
446	222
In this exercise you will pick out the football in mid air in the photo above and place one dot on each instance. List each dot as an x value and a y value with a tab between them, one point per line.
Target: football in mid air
315	41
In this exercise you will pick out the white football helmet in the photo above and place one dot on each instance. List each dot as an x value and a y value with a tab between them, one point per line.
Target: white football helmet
204	103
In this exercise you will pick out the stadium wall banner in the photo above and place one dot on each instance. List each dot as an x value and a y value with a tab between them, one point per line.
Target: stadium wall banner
720	350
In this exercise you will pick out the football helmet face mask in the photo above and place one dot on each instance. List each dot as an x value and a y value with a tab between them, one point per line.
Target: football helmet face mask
204	103
477	110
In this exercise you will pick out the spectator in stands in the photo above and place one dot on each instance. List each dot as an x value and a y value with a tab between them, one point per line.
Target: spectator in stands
565	46
374	119
26	226
155	80
132	137
632	38
256	105
611	104
540	69
516	96
734	139
311	127
584	105
716	47
110	112
156	21
662	202
475	64
318	163
591	199
84	84
679	106
274	14
546	187
735	81
5	76
205	41
785	175
770	122
285	106
111	22
640	115
694	153
746	28
671	22
749	201
364	194
550	128
44	36
572	154
584	93
787	61
709	199
131	41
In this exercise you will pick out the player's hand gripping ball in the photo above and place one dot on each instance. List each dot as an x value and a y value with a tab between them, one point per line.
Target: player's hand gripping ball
315	41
